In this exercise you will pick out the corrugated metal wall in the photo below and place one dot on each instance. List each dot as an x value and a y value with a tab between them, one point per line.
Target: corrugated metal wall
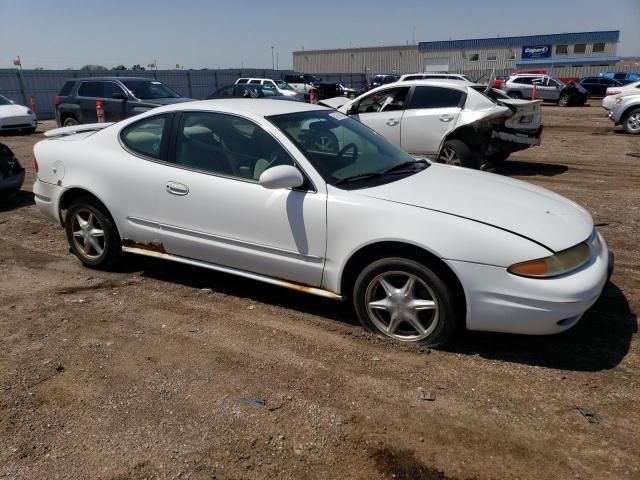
43	85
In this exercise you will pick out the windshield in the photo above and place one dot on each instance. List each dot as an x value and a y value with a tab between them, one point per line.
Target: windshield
147	89
283	85
344	151
4	101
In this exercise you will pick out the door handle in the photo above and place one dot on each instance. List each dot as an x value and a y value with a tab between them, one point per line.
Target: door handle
176	188
392	122
446	118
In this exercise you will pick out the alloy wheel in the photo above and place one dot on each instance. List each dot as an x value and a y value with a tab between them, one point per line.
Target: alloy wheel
450	157
633	122
88	234
402	306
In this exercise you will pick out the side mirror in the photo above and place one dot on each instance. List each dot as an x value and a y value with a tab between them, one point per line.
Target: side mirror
281	176
119	96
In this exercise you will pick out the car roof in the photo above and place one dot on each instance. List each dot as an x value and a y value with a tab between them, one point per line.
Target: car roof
262	107
115	78
442	82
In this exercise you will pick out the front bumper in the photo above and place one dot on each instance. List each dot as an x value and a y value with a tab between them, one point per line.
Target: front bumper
498	301
18	122
47	198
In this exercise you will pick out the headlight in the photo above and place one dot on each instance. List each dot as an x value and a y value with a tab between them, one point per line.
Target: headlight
619	100
555	265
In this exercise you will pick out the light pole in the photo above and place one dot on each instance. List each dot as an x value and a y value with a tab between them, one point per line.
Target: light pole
277	60
272	64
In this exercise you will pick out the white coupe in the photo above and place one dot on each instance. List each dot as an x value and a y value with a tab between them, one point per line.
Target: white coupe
16	117
240	186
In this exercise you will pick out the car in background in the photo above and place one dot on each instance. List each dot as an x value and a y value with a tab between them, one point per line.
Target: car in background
626	112
499	81
598	85
548	88
11	173
302	82
450	121
245	90
435	76
279	85
613	93
241	187
622	77
121	97
348	91
383	79
14	117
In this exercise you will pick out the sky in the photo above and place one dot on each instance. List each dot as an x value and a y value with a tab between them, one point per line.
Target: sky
229	34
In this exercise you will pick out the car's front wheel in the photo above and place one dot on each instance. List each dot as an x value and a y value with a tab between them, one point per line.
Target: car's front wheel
70	122
631	121
405	300
564	100
516	95
92	234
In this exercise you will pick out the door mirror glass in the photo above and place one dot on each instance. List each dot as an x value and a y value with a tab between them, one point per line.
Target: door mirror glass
281	176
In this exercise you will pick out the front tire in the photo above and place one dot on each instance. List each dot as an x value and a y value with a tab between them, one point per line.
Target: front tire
564	100
406	301
515	95
70	122
456	152
92	234
631	122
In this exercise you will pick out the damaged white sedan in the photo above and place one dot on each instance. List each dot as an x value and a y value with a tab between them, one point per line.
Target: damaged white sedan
451	121
245	187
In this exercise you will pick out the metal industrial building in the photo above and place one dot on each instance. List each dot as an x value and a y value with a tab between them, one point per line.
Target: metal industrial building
562	54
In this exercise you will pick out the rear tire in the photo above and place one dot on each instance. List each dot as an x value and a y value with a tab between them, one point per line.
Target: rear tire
456	152
516	95
70	122
631	122
564	100
405	300
92	234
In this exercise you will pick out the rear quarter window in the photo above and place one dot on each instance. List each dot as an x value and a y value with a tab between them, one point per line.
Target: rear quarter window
66	88
146	137
437	97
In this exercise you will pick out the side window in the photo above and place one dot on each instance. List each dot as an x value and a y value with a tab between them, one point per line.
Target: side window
242	80
110	88
524	80
385	101
225	91
436	97
66	88
146	136
227	145
91	89
255	82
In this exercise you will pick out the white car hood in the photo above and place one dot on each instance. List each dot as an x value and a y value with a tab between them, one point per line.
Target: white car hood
518	207
13	110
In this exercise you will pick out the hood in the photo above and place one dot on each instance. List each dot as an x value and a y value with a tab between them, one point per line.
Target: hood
166	101
13	110
518	207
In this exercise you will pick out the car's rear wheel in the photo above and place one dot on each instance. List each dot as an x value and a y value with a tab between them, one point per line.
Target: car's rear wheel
631	121
405	300
516	95
456	152
92	234
564	100
70	122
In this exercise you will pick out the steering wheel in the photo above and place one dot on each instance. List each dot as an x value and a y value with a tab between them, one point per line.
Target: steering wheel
346	148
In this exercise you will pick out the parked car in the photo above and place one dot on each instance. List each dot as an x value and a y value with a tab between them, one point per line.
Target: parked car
348	91
622	77
420	249
451	121
547	88
249	91
435	76
613	93
121	97
15	117
626	112
302	82
278	85
598	85
11	173
378	80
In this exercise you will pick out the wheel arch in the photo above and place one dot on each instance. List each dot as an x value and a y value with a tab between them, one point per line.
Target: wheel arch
73	193
627	111
383	249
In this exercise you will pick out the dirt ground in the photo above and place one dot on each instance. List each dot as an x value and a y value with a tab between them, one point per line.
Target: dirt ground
160	370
